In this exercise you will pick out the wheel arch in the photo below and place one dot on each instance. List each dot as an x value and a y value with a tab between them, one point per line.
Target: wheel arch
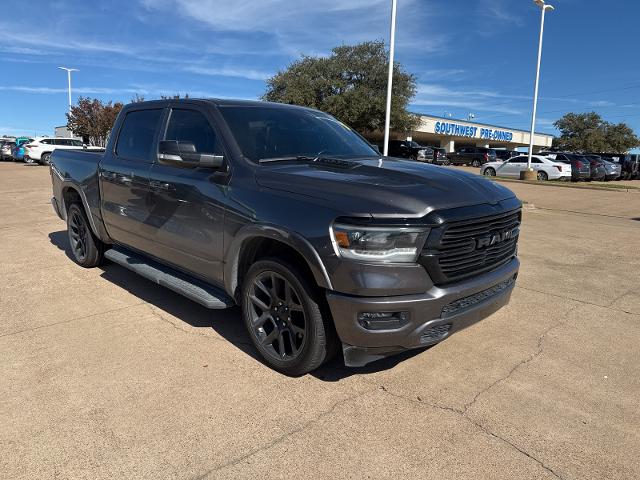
72	194
255	242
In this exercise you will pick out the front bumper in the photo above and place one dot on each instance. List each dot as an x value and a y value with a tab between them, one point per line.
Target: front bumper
431	316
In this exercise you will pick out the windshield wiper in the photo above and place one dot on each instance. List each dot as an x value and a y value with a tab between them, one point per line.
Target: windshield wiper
294	158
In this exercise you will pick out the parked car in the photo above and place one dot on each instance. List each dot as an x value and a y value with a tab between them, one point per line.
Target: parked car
409	149
547	168
598	170
613	169
439	156
229	202
40	149
474	156
629	163
5	149
506	154
580	168
17	151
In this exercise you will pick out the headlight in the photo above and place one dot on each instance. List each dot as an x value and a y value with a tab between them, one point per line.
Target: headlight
378	244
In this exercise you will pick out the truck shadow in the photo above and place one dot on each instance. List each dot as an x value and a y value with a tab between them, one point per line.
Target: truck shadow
226	323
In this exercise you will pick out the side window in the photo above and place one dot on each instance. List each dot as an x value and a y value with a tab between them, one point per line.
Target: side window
63	142
536	160
47	141
517	160
137	133
193	127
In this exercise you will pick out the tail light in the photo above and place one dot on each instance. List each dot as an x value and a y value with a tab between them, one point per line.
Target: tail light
559	168
486	156
29	146
579	163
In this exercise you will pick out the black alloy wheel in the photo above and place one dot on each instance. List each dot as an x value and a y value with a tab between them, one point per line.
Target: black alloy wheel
78	233
285	317
87	250
277	316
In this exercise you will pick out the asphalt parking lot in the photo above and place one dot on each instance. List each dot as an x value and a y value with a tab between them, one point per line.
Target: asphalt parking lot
106	375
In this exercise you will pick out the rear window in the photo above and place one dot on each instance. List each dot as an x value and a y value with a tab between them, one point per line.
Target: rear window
136	139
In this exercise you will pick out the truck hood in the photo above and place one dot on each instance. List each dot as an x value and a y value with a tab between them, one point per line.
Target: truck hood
382	187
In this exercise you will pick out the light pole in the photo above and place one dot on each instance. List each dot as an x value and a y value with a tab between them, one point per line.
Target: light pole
387	119
69	70
544	7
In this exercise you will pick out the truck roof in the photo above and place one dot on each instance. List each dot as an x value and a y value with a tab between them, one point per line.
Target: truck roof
217	102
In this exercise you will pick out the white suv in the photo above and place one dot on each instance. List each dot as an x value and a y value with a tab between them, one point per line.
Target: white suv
39	150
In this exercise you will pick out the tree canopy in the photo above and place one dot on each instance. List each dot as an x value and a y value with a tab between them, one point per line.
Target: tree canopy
588	132
93	119
349	84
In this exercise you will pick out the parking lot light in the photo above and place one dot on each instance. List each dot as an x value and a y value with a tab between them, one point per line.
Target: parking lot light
69	70
387	119
543	7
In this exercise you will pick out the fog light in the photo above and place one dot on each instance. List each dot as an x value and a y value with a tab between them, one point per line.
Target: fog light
383	320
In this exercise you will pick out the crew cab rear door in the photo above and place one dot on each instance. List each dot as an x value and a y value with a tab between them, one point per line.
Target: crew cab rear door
124	178
187	203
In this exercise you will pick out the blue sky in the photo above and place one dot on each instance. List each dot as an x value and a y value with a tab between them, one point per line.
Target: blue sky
469	56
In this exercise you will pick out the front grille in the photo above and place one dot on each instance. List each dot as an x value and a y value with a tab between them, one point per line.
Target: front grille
465	248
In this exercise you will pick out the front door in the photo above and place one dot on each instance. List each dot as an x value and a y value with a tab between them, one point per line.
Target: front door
124	177
187	204
512	167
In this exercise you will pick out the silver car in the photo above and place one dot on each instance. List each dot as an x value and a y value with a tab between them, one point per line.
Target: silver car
613	169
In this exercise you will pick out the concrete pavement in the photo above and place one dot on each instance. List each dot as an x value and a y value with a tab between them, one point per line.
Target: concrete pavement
106	375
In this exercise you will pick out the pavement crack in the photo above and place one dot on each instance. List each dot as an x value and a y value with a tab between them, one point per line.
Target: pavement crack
62	322
462	414
284	436
540	347
584	302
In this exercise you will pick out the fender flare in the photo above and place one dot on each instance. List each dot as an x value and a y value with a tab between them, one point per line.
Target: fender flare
273	232
85	204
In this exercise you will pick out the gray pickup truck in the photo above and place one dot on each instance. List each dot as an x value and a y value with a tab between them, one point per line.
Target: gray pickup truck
292	215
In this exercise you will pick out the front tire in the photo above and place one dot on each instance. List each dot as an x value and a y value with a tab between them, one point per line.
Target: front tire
489	172
284	319
86	249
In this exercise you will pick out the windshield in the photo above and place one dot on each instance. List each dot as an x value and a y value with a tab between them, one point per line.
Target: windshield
274	132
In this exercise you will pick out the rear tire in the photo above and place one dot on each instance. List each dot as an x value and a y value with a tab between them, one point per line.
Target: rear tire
283	316
45	158
476	163
542	176
87	250
28	160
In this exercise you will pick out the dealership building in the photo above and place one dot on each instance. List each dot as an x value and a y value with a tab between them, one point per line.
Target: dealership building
452	134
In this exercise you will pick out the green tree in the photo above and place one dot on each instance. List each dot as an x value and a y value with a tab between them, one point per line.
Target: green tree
588	132
93	119
349	84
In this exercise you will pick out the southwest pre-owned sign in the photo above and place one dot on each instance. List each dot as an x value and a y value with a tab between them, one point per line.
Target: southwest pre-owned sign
457	130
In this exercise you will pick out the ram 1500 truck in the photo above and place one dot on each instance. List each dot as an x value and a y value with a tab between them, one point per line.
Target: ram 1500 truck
292	215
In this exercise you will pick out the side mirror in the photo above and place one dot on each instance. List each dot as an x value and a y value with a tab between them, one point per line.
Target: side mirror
184	154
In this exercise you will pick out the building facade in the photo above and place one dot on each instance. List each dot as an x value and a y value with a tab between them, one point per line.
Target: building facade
452	134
